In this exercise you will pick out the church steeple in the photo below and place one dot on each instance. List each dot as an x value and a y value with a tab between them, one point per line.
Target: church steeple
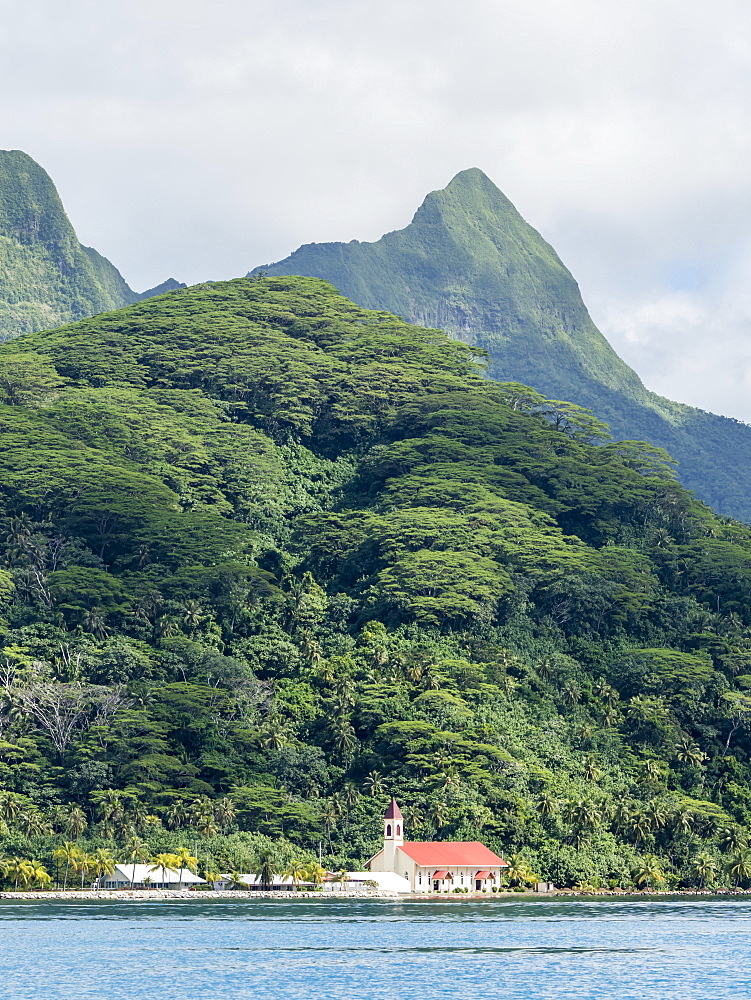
393	833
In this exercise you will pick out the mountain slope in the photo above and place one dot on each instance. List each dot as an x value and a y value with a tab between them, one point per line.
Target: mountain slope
46	276
265	555
469	264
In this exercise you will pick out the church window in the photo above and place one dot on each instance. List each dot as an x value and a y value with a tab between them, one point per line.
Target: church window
388	829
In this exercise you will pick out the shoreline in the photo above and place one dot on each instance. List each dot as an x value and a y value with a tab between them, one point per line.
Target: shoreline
160	895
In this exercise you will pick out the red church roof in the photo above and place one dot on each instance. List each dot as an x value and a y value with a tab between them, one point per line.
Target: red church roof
393	811
451	854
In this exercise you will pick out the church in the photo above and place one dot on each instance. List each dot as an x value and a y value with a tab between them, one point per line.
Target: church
435	866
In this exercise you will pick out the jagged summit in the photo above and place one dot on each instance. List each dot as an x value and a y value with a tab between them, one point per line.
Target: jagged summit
47	277
469	263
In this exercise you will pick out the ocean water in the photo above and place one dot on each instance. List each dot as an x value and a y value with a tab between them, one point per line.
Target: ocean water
679	948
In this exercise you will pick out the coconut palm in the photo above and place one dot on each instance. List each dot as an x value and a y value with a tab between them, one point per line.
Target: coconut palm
374	784
135	850
329	815
10	807
224	811
84	864
185	860
518	870
68	853
657	814
38	874
739	865
640	826
547	805
76	823
683	823
297	871
265	866
732	838
649	872
177	815
32	824
102	863
19	869
315	873
341	877
705	868
591	771
164	863
690	753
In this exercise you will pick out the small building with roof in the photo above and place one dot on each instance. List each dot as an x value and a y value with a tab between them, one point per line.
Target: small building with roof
435	866
149	876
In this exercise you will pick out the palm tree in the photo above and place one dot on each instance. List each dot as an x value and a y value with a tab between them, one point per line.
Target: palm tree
185	860
69	853
297	871
732	838
518	870
683	823
38	873
705	868
739	865
135	850
657	814
224	812
640	826
10	807
315	873
329	815
102	863
649	872
373	784
690	753
265	867
176	815
342	877
591	771
164	863
547	805
84	863
75	823
622	817
20	870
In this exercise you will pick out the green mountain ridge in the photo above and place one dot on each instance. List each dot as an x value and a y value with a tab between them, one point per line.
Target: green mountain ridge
47	277
267	557
469	264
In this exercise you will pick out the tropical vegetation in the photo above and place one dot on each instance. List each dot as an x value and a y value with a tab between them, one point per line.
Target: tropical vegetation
268	558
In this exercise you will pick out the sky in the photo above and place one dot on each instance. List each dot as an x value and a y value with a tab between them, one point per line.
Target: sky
199	139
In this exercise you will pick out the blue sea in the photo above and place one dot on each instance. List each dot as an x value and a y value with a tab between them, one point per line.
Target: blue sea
677	948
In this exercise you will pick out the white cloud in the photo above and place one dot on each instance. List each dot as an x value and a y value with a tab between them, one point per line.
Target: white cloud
200	138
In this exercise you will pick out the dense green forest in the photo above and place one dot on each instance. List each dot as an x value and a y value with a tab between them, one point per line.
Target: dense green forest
470	264
268	558
46	276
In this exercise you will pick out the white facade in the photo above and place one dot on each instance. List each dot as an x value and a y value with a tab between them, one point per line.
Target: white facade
140	875
435	867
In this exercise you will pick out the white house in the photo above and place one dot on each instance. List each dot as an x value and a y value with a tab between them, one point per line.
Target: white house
435	866
251	881
143	875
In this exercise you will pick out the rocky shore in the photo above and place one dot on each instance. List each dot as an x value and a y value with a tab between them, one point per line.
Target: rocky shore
160	895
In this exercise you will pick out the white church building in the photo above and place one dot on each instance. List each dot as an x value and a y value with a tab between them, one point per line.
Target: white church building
435	866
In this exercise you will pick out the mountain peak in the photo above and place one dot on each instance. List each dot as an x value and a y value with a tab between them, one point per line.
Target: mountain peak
47	277
30	207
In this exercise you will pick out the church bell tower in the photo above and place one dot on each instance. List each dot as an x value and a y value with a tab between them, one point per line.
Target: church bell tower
393	835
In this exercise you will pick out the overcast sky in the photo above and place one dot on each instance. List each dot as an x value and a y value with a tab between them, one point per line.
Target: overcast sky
198	139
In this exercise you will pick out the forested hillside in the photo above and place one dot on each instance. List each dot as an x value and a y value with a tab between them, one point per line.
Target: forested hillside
268	557
470	264
46	276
